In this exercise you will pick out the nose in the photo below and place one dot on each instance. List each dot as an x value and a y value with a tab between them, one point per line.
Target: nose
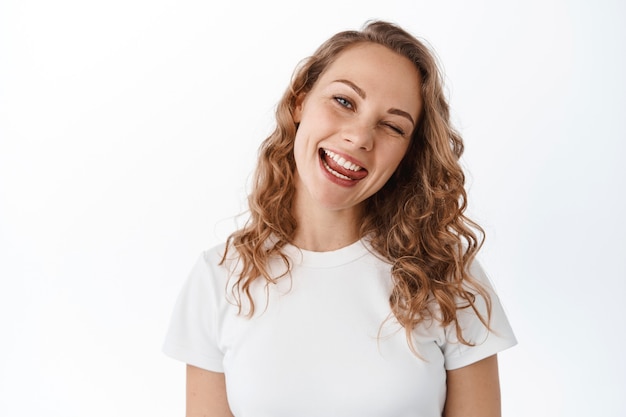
360	136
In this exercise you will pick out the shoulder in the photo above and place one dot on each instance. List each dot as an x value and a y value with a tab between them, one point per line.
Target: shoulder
213	255
483	340
477	272
215	261
208	274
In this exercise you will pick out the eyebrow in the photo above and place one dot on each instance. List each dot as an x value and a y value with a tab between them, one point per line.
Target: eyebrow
353	86
401	113
362	94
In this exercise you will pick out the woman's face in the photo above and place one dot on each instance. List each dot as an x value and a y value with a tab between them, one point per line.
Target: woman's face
355	126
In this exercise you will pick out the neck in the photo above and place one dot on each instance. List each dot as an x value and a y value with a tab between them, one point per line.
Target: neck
322	230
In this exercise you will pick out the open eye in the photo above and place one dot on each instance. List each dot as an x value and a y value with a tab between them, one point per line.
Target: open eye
344	102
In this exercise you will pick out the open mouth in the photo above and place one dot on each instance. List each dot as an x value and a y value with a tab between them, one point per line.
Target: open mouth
340	167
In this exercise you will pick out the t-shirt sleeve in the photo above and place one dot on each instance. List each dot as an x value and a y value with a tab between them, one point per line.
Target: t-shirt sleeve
192	334
485	342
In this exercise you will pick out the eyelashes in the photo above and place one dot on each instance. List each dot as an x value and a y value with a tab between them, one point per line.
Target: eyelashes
347	104
344	102
395	129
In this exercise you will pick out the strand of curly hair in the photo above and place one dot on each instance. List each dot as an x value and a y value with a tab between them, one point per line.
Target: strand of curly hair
416	221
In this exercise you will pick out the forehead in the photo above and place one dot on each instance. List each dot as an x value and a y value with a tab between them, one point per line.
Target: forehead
380	72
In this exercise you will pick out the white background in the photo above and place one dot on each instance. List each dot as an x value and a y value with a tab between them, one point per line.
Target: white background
128	133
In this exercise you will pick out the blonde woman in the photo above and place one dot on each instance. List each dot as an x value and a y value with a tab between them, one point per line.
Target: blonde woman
353	289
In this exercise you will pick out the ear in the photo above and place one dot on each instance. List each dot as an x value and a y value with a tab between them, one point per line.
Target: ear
297	111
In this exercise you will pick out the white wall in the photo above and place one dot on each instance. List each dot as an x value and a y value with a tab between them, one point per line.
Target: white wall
128	130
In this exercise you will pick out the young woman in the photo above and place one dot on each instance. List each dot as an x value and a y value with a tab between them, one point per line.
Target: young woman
352	290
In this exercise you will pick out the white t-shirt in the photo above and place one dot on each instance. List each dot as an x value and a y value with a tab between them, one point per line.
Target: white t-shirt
322	341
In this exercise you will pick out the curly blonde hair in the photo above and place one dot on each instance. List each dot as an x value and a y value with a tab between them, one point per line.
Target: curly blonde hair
416	221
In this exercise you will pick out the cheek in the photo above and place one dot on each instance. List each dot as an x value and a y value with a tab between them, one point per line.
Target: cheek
297	147
318	118
300	147
392	161
395	155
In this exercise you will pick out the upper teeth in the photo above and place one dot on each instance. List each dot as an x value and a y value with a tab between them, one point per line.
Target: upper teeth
342	162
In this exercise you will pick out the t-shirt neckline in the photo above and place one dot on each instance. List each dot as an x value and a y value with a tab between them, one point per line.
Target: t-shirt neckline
341	256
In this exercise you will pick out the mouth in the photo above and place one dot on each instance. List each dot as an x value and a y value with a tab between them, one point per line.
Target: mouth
341	168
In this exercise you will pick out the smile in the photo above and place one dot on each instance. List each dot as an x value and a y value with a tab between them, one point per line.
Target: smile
340	167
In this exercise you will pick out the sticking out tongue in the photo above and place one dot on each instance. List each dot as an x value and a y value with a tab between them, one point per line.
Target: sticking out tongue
335	165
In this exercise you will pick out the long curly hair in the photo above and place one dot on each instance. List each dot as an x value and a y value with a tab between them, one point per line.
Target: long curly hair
416	222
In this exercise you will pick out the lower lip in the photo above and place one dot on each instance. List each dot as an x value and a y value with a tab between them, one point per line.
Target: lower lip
334	179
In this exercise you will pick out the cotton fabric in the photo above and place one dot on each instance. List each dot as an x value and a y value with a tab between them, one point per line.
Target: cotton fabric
322	341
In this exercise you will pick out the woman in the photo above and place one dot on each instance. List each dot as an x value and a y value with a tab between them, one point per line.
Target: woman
352	290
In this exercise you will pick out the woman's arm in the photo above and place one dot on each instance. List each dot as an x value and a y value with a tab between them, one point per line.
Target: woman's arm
474	390
206	394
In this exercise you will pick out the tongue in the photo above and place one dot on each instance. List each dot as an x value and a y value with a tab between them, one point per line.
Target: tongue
353	175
